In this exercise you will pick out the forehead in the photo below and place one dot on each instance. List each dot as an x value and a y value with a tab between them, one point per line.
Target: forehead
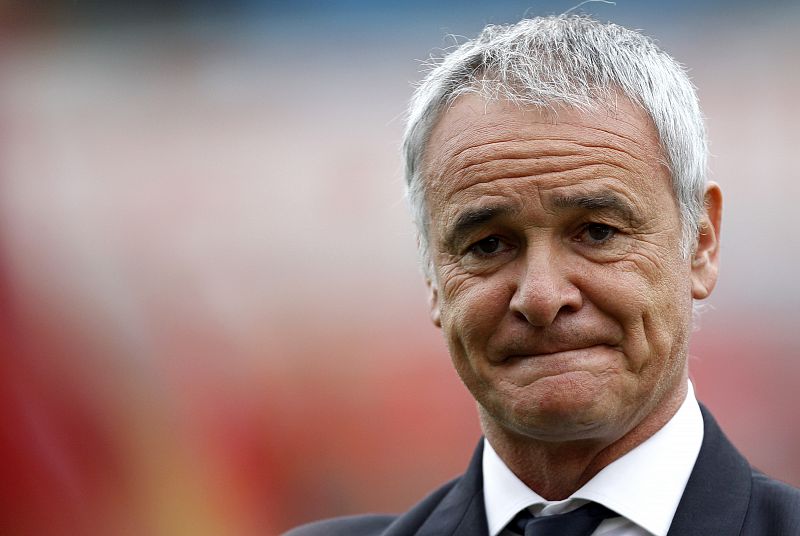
480	147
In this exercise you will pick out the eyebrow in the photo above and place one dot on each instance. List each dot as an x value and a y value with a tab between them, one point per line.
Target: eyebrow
599	201
471	219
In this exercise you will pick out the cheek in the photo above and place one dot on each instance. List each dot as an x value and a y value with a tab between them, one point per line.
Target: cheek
472	313
668	321
652	308
672	300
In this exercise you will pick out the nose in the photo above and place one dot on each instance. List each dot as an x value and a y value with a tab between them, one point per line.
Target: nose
544	289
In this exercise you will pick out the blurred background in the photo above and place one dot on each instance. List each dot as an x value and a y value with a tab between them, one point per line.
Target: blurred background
211	317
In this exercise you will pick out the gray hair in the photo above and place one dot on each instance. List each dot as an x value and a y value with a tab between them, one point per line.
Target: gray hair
574	61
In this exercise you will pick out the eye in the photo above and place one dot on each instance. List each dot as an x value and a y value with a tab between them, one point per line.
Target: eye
487	247
597	233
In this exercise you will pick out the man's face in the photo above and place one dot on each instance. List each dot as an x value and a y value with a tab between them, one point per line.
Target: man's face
559	280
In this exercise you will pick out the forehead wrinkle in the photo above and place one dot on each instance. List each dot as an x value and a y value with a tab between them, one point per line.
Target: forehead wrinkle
475	151
623	153
647	141
523	166
513	133
555	143
495	157
485	128
563	133
466	187
643	137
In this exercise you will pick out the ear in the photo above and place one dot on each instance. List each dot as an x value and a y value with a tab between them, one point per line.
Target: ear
433	303
705	260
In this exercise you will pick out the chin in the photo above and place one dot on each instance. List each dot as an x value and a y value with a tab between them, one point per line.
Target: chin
560	415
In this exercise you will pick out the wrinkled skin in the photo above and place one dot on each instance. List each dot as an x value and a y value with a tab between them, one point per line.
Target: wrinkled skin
559	283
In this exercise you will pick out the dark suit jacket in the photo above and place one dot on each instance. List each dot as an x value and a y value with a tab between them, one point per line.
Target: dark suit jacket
724	497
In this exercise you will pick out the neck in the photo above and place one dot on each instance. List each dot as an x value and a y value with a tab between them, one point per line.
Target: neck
555	470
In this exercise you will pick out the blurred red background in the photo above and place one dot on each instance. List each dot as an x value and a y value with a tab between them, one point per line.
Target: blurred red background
212	320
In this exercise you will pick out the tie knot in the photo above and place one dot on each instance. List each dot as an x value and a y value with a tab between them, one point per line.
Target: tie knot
579	522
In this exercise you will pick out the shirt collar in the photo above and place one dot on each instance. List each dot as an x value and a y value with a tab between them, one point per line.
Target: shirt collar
645	485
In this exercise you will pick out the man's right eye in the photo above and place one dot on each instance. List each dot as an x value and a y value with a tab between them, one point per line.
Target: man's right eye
487	247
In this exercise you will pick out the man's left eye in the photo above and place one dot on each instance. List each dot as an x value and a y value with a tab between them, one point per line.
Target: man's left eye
597	233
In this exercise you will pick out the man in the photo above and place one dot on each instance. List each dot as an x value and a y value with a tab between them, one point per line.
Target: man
556	171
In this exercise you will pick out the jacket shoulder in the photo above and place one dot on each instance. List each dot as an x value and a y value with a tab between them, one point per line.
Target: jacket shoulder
359	525
774	507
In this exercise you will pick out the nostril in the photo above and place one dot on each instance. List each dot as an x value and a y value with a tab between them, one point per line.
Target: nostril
570	307
532	319
521	316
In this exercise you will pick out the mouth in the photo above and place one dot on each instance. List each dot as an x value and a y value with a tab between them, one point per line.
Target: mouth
565	354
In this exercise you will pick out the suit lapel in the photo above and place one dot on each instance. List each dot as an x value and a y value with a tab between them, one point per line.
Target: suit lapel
718	492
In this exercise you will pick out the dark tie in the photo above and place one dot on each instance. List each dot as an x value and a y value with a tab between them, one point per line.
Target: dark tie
579	522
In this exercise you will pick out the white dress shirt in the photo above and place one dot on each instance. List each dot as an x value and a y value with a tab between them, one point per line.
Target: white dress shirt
644	486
